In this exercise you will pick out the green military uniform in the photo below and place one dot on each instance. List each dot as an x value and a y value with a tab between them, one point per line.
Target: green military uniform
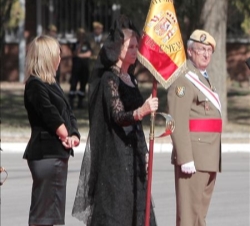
197	137
96	45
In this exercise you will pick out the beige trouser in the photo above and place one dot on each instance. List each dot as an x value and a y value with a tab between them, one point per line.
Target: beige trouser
193	195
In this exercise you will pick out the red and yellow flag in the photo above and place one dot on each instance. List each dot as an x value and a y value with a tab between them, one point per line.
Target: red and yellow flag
161	48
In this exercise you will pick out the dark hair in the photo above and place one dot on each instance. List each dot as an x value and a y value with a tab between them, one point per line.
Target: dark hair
108	56
111	49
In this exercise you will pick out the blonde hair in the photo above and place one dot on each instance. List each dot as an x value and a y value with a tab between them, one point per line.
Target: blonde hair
41	58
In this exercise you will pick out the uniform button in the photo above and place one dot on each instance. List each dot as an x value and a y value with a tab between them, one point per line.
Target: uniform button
199	139
206	99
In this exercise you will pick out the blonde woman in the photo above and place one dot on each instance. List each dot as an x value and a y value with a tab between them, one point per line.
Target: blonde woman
54	133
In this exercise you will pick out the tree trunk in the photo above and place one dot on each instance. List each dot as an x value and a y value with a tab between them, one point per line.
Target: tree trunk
214	19
22	44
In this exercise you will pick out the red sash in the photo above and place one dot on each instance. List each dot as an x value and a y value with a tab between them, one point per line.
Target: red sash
205	125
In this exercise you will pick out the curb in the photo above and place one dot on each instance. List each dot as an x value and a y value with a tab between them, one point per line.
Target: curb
158	147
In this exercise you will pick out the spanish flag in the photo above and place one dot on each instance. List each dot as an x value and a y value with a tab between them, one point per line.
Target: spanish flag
161	48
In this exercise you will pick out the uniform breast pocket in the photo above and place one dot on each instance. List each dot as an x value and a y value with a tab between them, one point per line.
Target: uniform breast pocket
202	138
204	102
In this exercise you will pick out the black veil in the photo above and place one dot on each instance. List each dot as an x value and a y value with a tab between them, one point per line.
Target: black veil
108	56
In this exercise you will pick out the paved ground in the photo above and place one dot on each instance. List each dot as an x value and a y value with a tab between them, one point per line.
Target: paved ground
231	200
230	203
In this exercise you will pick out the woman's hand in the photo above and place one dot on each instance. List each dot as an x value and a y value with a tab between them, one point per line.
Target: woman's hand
150	105
62	132
70	142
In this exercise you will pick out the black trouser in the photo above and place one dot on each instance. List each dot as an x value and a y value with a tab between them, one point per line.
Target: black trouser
80	73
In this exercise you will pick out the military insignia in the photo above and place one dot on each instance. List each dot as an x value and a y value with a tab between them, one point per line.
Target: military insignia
180	91
206	105
203	37
213	88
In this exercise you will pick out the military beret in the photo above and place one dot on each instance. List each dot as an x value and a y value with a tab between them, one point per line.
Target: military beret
97	25
52	27
248	62
80	30
203	37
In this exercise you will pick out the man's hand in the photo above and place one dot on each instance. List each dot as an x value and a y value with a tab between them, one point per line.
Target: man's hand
188	168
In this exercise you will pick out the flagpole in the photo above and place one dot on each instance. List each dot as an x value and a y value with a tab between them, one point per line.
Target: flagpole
162	52
150	160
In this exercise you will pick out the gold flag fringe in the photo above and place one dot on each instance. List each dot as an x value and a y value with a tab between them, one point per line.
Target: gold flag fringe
157	75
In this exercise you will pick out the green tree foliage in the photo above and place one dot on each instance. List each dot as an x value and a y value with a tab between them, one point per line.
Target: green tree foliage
137	10
244	9
11	15
5	9
188	14
16	15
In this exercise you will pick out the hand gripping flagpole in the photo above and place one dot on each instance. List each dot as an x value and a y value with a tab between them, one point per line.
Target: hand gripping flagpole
170	125
150	160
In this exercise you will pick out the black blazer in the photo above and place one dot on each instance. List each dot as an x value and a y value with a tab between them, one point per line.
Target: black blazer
47	108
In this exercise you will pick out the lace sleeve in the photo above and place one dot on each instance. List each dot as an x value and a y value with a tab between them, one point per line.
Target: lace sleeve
114	103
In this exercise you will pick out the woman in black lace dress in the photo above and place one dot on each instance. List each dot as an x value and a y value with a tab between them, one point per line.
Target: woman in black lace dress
112	184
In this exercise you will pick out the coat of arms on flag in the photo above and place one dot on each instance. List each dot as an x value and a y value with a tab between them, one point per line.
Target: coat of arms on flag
164	24
161	49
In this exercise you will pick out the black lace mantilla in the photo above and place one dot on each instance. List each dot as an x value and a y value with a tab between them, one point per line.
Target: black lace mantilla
112	183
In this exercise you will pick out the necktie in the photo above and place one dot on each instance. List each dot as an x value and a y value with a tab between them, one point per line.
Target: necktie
206	77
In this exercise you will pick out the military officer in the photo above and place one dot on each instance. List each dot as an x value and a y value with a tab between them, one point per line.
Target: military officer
196	154
81	52
97	38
